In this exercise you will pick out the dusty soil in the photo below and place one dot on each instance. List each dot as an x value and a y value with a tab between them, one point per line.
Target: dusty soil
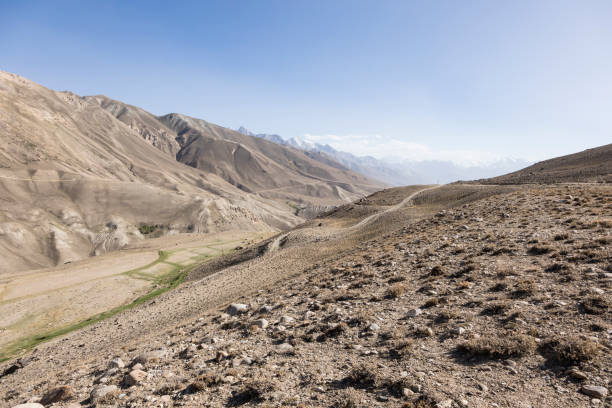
462	297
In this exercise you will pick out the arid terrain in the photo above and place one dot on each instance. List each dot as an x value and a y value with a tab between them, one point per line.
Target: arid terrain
83	176
459	296
162	261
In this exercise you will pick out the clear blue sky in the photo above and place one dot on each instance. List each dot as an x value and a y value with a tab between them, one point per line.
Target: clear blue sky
528	79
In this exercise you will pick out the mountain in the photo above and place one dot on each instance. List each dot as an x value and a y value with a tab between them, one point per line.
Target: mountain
80	175
398	172
591	165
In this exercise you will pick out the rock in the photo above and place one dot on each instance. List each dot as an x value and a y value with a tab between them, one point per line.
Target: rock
483	387
407	392
445	404
285	320
285	348
237	308
373	327
458	331
265	309
576	374
150	357
463	403
103	392
116	363
135	377
221	355
261	323
137	366
57	394
29	405
594	391
414	312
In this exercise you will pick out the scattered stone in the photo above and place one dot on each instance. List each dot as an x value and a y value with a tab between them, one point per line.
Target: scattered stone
237	308
445	404
150	357
261	323
374	327
285	320
285	348
57	394
135	377
576	374
103	392
29	405
594	391
483	387
116	363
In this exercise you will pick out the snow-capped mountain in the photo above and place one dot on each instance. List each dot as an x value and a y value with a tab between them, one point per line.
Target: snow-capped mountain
400	172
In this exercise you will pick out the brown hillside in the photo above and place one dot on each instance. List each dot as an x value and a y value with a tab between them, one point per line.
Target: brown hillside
591	165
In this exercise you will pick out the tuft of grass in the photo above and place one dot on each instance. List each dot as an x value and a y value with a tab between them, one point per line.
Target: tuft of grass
362	376
396	291
496	308
595	305
539	249
569	351
500	346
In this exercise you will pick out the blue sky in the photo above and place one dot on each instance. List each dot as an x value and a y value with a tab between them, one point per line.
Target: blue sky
465	80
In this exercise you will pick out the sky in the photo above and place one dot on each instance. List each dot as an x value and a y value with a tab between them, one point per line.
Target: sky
458	80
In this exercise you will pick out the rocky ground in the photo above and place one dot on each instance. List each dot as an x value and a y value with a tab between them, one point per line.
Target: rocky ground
501	302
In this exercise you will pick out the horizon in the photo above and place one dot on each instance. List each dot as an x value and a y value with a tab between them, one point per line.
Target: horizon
441	81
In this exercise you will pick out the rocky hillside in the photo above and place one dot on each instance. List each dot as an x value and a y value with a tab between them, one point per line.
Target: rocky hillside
461	296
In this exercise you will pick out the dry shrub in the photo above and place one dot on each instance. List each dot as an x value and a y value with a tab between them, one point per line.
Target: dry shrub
498	346
539	249
524	289
496	308
333	331
254	390
431	302
569	351
402	349
446	315
561	237
595	305
396	291
362	376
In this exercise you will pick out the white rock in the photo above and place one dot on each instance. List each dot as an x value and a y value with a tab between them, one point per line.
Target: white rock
261	323
116	363
374	327
285	320
29	405
102	391
237	308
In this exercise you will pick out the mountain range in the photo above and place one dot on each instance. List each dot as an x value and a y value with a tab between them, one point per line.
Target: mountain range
399	172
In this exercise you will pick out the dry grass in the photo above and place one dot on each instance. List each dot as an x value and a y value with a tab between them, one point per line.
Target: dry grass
569	351
595	305
498	346
362	376
396	291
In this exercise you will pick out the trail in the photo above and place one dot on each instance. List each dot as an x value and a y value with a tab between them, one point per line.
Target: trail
396	207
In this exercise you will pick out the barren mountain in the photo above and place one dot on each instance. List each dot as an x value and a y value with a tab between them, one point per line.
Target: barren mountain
591	165
79	176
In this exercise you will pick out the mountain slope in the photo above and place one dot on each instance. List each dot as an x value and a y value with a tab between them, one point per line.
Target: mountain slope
591	165
78	176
